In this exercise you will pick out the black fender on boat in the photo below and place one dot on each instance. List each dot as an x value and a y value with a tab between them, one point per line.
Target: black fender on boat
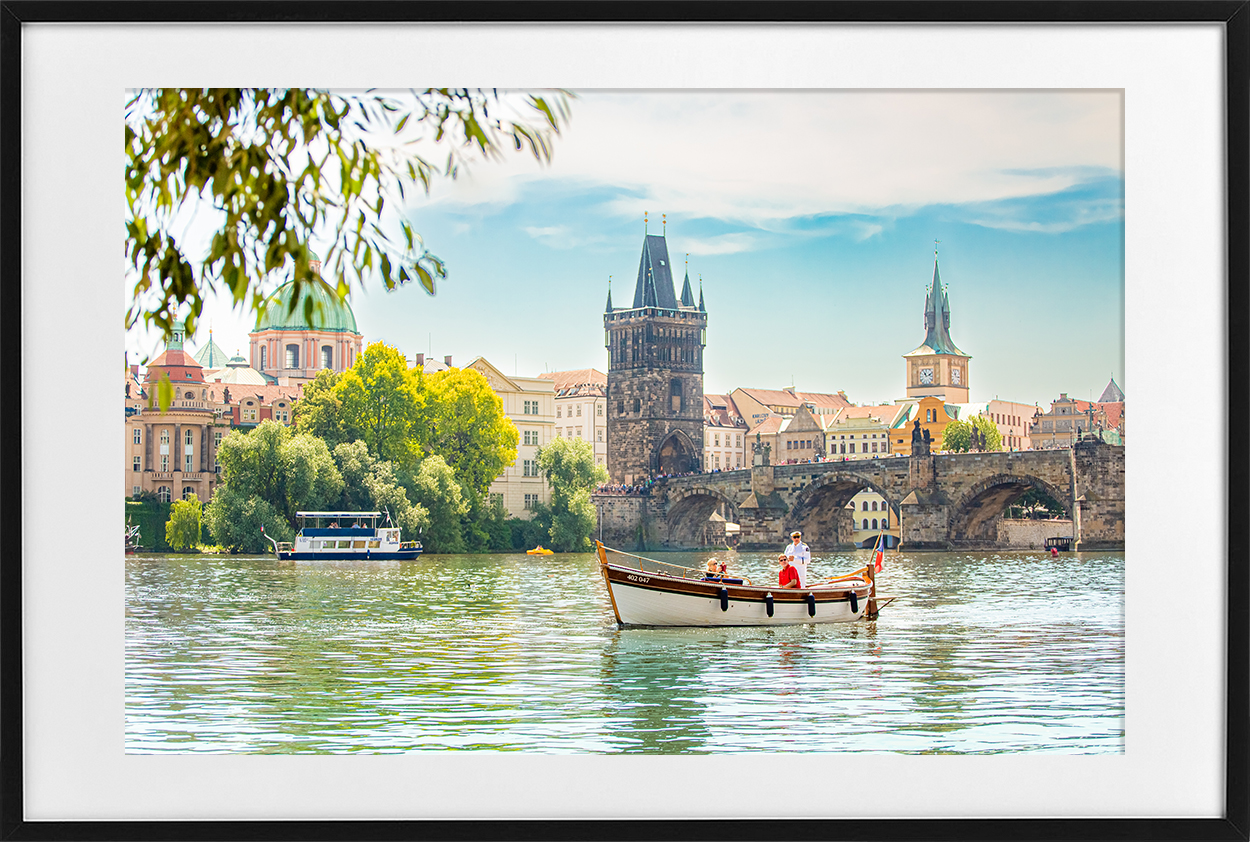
811	604
768	603
724	599
854	603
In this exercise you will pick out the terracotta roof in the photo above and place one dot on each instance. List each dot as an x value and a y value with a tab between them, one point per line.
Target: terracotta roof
786	397
1114	410
720	411
770	425
267	394
577	380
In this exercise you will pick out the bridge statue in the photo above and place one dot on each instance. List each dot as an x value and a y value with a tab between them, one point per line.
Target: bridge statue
761	452
920	440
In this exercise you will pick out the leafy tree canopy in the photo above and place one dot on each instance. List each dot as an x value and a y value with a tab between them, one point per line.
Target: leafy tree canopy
182	530
370	485
380	404
289	471
239	522
570	469
278	169
467	427
318	412
440	494
957	436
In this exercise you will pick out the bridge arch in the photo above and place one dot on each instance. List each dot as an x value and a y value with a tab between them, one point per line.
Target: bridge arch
688	510
974	516
820	508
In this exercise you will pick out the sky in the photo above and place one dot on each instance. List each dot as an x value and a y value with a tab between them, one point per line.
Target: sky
810	218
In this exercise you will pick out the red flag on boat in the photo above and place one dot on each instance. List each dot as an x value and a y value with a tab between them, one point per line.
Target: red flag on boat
879	553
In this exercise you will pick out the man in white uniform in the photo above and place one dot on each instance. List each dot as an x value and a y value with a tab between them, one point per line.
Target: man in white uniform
800	555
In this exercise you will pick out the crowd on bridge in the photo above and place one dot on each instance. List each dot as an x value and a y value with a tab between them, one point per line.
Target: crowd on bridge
642	487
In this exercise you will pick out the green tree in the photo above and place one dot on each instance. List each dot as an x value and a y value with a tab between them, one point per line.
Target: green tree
380	404
279	168
182	530
319	412
570	469
467	427
239	521
439	493
370	485
289	471
957	436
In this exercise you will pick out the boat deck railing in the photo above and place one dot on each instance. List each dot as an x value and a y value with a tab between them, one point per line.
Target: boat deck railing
651	565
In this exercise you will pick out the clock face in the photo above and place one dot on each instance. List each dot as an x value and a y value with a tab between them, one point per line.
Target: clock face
955	376
926	376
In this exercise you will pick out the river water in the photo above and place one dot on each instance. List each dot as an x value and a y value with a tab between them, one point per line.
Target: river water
981	653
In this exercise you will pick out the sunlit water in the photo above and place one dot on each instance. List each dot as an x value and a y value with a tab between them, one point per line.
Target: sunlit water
982	652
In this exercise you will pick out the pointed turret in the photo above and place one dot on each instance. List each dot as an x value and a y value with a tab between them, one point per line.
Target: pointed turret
702	309
608	307
687	297
1112	393
937	318
655	278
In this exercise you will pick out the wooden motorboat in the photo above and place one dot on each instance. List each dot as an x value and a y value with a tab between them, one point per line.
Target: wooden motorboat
648	592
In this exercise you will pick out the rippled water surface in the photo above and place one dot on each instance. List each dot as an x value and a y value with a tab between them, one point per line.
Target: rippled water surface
981	653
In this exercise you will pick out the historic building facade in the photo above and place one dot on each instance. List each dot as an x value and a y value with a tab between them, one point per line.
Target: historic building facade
655	373
581	407
173	454
290	348
937	368
530	404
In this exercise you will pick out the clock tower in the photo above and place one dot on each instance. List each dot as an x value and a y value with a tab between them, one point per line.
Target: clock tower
937	367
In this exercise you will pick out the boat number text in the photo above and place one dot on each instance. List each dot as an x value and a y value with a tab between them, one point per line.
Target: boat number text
643	579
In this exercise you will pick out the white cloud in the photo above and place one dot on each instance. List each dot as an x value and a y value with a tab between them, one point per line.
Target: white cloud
722	244
758	159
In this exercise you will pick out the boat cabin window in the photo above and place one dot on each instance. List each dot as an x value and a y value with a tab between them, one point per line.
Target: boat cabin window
373	545
343	545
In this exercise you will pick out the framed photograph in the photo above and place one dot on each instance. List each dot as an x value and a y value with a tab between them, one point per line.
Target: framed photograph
1081	174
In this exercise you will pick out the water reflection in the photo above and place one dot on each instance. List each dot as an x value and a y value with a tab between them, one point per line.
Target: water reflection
981	653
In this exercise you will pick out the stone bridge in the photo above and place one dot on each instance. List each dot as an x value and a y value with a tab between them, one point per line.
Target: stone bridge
940	501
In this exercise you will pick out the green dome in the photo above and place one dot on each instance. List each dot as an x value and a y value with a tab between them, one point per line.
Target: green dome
332	314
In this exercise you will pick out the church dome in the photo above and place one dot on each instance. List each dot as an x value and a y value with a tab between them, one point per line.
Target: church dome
329	312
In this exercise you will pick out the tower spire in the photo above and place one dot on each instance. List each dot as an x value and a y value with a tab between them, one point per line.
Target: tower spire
608	308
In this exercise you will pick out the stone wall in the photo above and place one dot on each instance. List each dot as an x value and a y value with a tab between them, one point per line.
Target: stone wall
1028	534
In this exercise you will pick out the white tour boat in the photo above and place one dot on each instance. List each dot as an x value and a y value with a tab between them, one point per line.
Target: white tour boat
647	592
340	536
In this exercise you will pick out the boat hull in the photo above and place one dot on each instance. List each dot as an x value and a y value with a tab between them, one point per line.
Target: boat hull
348	555
649	599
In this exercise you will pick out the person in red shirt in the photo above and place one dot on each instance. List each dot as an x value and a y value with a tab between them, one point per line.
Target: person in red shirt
789	577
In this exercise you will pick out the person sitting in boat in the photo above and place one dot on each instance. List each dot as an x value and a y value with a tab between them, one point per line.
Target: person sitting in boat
715	568
789	576
800	556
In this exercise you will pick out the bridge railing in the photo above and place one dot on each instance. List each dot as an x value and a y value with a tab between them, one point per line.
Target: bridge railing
651	565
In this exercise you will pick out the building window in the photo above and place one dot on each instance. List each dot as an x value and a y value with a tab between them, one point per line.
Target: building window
637	405
874	505
164	436
599	435
327	356
874	523
716	439
292	356
885	521
138	438
262	357
529	467
531	408
865	523
188	439
738	440
620	407
164	494
579	410
188	493
852	447
531	500
138	463
165	463
134	491
579	432
189	467
865	505
599	409
559	409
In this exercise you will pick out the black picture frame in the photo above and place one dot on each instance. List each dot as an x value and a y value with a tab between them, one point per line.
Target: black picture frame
1234	15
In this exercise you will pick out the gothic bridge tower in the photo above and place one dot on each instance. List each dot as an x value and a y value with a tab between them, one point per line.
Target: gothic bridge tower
655	373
